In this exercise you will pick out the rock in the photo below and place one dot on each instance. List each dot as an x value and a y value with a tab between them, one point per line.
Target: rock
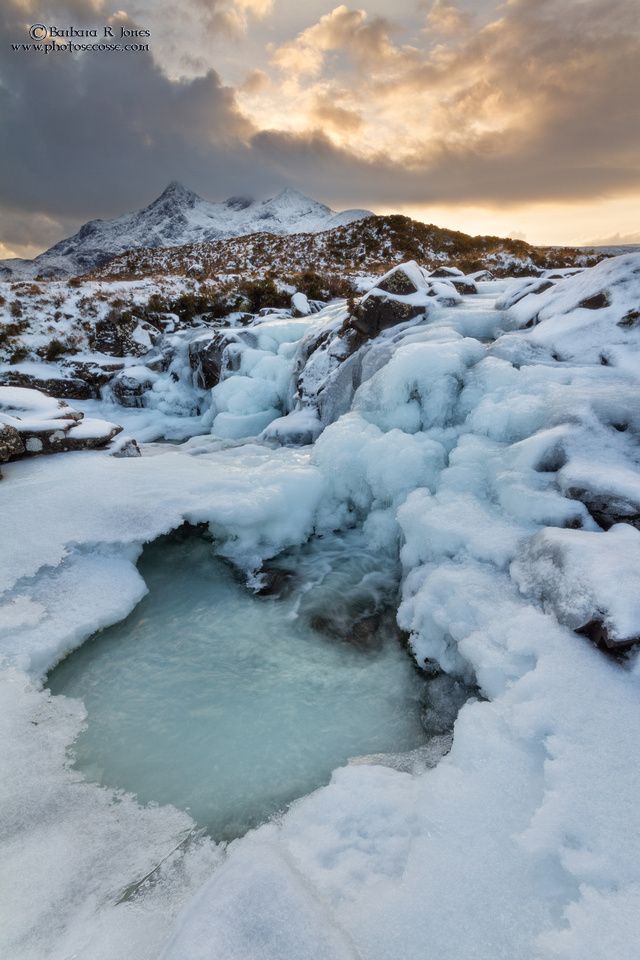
68	388
398	282
577	576
206	358
597	632
94	374
123	335
124	446
541	286
274	582
464	285
11	445
128	388
366	634
630	319
300	306
607	510
298	428
378	311
46	425
445	273
597	302
47	439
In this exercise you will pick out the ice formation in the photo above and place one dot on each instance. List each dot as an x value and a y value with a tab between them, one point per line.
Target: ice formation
492	449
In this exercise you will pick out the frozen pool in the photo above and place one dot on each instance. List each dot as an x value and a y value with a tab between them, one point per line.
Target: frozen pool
231	705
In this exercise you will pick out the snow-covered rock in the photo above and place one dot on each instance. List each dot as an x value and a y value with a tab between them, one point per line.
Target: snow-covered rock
34	423
591	581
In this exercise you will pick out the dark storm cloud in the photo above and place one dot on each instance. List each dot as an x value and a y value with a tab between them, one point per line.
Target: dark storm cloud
98	134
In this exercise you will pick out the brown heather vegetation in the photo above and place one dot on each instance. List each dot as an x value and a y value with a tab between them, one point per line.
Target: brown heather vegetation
321	262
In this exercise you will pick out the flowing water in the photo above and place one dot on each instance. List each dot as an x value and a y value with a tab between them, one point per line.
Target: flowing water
230	705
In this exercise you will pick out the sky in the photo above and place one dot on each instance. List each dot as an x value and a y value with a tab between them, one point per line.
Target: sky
510	117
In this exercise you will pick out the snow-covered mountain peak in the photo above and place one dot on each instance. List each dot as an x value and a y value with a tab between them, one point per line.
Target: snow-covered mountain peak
175	218
176	193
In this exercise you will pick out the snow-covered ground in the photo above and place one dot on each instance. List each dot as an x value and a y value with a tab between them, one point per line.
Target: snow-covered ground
494	449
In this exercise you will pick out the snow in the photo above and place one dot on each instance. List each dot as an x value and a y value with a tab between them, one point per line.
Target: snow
583	575
300	304
482	465
20	400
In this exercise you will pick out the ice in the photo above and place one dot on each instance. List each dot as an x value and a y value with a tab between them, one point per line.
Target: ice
493	454
247	729
70	849
257	502
300	304
51	614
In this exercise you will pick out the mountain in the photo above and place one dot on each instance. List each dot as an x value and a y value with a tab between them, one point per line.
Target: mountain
177	217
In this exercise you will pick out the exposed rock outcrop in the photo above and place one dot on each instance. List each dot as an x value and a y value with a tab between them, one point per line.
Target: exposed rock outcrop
32	423
68	388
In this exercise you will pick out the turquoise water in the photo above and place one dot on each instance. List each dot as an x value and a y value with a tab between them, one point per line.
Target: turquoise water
231	705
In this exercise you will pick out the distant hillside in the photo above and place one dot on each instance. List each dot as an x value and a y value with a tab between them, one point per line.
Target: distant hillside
367	246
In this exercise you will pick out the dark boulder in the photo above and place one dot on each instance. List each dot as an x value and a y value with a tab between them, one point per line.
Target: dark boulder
274	582
129	390
94	375
11	445
399	283
597	632
123	335
379	311
607	509
597	302
206	359
446	273
464	285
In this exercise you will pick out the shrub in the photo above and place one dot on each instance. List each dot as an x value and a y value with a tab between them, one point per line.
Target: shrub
15	309
10	330
54	349
18	355
262	293
156	304
190	305
318	286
